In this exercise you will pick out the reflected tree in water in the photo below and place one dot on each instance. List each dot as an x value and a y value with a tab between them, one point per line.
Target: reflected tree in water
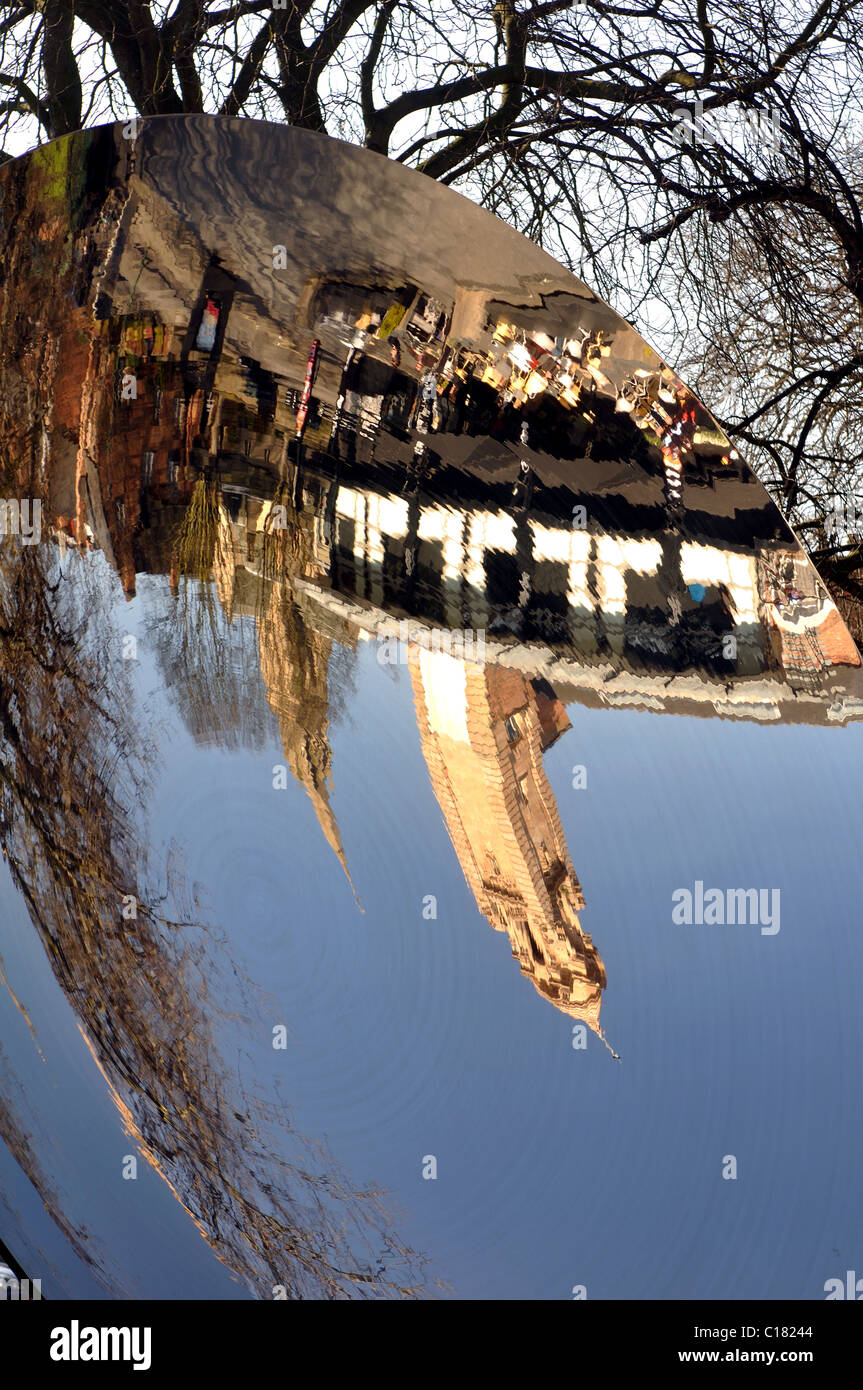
74	775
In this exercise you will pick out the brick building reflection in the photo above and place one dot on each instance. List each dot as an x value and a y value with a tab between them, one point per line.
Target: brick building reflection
484	731
121	403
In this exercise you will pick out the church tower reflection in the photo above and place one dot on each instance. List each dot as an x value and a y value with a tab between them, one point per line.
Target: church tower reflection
484	731
294	664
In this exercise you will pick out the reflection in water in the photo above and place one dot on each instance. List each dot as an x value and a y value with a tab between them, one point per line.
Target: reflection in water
134	969
484	732
126	945
410	425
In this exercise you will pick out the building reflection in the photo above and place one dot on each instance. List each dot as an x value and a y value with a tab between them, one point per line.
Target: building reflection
468	463
484	731
454	433
295	658
484	465
694	601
